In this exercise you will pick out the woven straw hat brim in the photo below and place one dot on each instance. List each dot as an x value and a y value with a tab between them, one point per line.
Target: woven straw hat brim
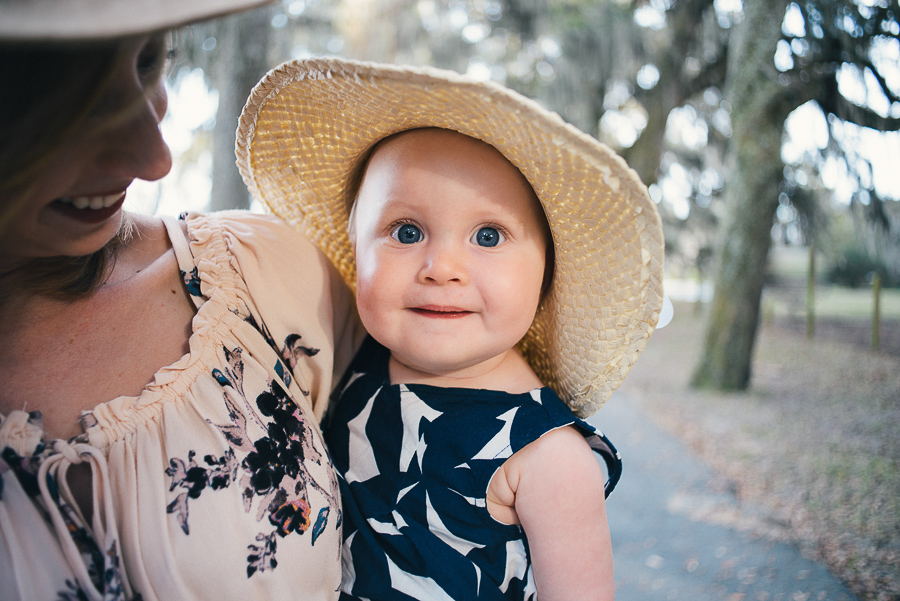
307	124
82	20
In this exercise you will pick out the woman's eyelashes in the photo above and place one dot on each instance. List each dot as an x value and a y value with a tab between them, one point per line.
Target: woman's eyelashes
155	57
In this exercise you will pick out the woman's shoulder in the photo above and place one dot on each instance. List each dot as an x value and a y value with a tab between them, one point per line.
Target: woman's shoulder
242	227
213	236
235	217
146	244
256	249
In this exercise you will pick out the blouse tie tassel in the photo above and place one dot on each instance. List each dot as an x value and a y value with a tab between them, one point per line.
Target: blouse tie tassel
69	522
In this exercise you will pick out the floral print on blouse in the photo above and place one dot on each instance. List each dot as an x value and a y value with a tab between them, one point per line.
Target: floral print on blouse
273	473
214	482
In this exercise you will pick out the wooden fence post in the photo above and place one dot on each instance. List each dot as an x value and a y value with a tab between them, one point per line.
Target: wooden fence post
811	294
876	310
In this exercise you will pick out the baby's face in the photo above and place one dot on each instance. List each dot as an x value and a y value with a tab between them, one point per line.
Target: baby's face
450	247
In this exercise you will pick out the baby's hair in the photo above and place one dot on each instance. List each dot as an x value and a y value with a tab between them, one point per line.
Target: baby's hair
354	183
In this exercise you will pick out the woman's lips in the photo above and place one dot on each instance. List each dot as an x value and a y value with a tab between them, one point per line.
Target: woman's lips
90	209
436	312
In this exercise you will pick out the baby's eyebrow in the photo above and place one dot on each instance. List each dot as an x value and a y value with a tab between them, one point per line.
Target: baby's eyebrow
399	205
506	218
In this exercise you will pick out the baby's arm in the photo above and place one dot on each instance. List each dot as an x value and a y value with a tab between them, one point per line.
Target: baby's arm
554	489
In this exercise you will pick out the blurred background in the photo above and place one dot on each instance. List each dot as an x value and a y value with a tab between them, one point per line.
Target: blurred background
767	133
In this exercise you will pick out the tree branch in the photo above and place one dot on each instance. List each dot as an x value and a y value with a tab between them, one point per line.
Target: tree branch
834	103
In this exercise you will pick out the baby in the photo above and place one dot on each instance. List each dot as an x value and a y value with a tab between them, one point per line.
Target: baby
465	476
447	440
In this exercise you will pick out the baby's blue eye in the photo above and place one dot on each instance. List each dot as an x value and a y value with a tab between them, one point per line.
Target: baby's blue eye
488	237
407	233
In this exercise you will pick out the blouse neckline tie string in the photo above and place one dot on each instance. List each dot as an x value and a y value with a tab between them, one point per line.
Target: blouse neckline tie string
67	518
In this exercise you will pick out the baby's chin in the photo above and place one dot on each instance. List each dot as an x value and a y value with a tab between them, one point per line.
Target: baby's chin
507	371
439	368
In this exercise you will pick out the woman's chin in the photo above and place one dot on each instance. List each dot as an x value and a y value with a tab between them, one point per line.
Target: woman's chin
64	230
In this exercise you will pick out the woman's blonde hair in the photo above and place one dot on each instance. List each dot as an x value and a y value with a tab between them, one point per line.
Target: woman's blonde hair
49	94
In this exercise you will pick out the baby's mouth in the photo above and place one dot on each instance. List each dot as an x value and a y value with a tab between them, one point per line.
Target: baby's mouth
92	202
440	312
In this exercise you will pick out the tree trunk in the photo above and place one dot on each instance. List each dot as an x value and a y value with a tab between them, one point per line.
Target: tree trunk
760	106
245	40
646	153
673	89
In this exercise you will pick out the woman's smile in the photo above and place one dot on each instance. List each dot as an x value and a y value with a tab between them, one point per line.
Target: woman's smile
89	209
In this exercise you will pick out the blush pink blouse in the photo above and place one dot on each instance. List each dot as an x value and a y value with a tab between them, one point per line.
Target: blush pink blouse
214	482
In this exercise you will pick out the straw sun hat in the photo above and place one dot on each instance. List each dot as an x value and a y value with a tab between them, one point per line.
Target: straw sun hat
77	20
308	124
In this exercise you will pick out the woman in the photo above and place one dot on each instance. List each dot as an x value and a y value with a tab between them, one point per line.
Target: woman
162	381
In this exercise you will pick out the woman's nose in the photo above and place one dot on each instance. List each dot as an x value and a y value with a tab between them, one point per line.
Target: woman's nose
135	147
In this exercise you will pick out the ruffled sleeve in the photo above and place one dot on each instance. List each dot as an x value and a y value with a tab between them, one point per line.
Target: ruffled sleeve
287	287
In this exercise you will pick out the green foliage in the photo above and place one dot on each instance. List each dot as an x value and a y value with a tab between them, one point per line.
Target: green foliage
854	268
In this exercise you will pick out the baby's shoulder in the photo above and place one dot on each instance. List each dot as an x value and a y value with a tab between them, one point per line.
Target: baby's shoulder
557	449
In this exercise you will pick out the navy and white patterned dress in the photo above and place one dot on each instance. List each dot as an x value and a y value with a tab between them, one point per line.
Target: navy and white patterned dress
416	461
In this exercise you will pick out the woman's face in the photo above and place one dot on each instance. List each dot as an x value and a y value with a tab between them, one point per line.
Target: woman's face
75	207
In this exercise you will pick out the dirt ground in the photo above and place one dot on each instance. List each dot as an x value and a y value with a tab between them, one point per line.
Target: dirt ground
856	332
812	449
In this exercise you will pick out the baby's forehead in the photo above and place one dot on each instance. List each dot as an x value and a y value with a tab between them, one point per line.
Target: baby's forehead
424	154
433	154
437	141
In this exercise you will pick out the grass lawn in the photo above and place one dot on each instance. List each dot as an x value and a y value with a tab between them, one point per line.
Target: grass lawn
834	301
788	270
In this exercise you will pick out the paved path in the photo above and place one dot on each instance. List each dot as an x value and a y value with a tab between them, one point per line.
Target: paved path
664	544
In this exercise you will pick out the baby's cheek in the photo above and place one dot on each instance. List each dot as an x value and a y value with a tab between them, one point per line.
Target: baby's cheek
365	303
374	304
